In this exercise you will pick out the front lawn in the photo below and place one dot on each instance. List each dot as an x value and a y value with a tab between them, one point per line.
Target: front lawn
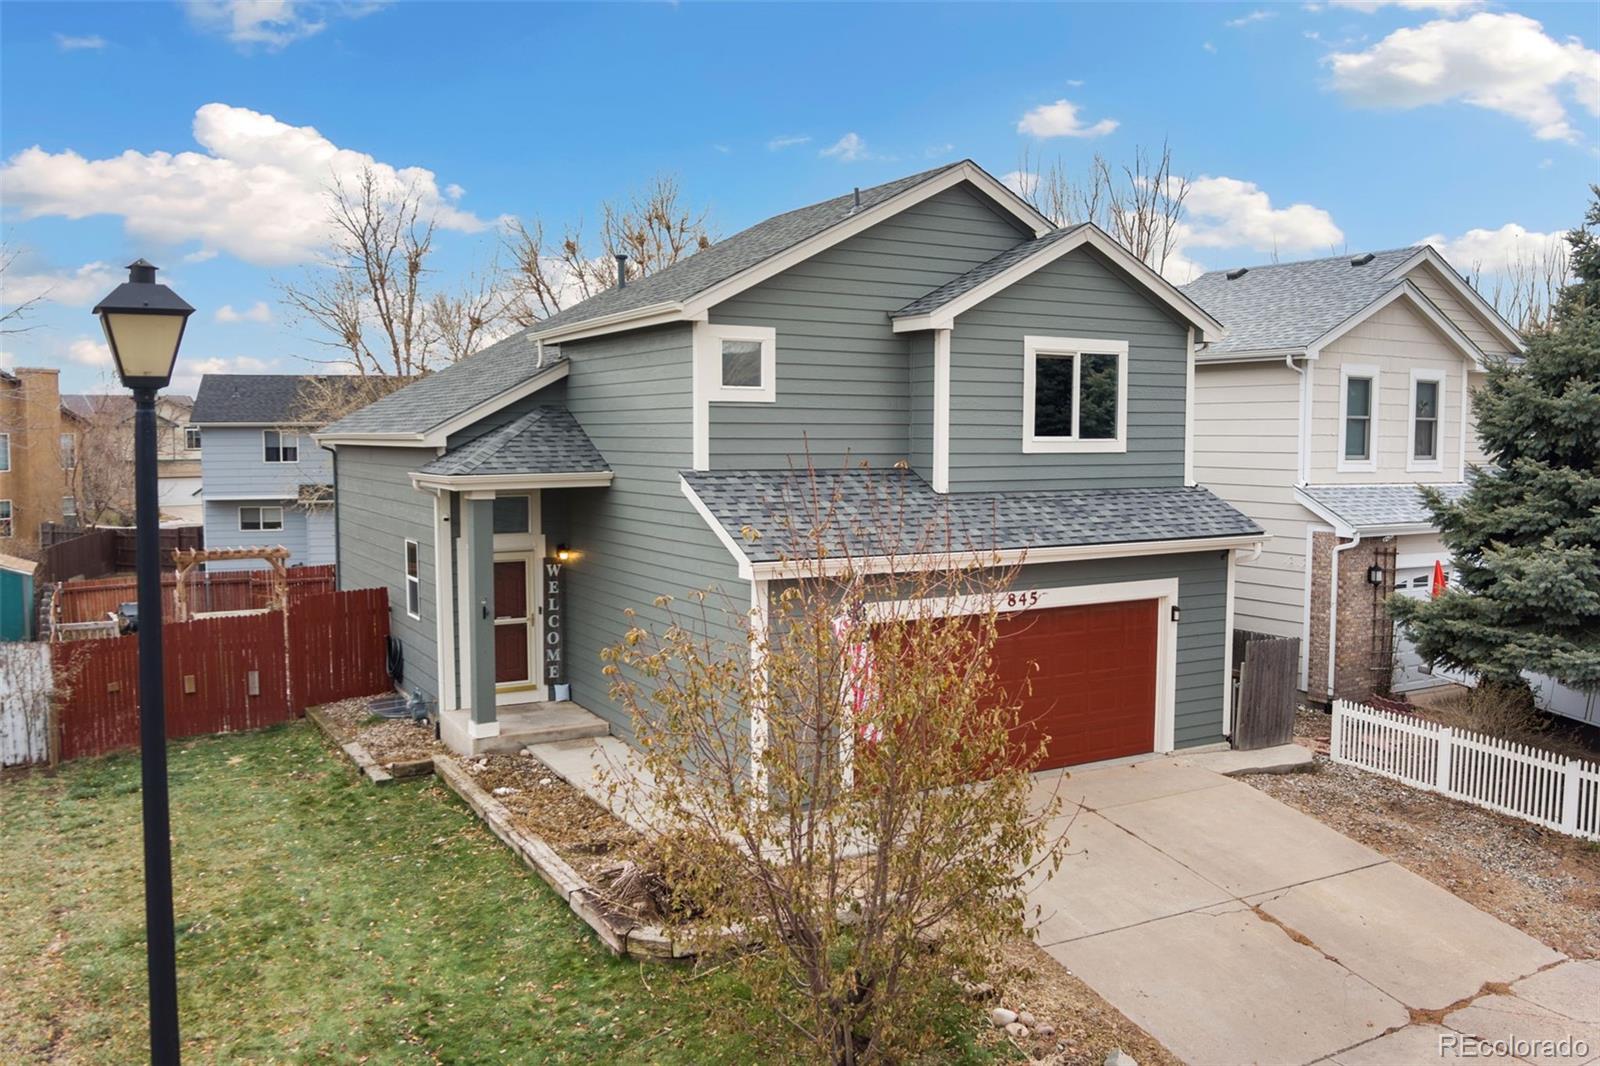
319	918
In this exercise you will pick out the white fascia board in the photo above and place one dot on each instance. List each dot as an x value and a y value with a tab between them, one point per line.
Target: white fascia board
655	314
1256	355
510	482
250	497
1482	309
784	569
244	425
1341	528
1409	292
437	436
746	569
1086	234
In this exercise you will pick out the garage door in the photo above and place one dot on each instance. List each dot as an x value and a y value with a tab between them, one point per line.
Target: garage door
1093	673
1411	673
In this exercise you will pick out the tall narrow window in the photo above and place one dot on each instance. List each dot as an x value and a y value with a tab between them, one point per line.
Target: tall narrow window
1358	418
413	581
69	451
1425	422
5	518
5	452
280	447
69	507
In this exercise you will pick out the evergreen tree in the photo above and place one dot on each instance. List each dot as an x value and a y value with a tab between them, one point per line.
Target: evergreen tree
1526	535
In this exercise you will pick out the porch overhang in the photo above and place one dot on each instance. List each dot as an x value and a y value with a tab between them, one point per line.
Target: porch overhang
1374	510
572	479
543	449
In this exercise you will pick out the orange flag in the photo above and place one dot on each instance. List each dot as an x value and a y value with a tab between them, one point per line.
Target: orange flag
1439	582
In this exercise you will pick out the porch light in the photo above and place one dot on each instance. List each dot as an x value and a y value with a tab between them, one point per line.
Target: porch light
1375	574
144	322
563	553
1177	613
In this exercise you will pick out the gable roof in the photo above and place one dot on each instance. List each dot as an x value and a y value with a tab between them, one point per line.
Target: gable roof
938	308
426	411
546	440
715	273
1038	523
252	399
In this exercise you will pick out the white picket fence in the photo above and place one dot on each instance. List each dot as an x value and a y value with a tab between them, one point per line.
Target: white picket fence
1515	779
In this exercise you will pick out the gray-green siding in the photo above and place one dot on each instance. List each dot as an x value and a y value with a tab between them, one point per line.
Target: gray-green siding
842	381
919	449
378	512
640	538
1079	295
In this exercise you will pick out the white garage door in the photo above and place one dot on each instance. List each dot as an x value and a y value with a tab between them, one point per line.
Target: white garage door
1411	674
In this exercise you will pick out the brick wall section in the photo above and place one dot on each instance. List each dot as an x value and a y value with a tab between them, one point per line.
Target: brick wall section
1357	664
30	412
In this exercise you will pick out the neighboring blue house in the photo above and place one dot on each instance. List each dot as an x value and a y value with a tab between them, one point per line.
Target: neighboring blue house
1035	384
265	481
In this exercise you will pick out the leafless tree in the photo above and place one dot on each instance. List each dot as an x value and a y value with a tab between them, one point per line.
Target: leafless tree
13	316
654	228
369	298
101	474
1525	288
1140	203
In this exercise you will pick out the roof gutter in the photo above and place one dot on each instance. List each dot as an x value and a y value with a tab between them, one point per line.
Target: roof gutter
573	479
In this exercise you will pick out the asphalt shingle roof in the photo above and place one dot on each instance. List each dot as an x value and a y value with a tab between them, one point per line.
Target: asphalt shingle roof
981	273
458	388
689	277
1289	305
878	511
1377	506
251	399
546	440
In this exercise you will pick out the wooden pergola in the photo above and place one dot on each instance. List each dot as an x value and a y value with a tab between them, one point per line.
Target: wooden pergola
188	558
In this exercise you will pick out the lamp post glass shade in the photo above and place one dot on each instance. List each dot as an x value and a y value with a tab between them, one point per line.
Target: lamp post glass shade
144	322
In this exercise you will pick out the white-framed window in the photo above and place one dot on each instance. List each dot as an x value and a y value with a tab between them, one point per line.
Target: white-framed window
413	581
69	450
1074	395
191	438
737	364
1358	417
260	519
5	452
1425	447
5	519
69	507
277	447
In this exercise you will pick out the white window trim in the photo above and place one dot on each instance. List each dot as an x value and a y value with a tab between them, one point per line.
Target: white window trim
1413	463
198	432
1032	348
9	518
281	435
263	508
1346	372
406	550
73	500
706	378
5	466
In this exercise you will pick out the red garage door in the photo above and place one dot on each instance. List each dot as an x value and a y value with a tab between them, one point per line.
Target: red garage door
1093	670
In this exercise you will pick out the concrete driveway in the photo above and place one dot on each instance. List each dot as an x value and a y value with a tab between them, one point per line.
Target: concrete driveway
1237	930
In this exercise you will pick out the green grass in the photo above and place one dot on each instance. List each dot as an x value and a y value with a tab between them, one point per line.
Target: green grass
318	919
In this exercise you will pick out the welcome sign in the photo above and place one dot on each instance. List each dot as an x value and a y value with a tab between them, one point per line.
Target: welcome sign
554	653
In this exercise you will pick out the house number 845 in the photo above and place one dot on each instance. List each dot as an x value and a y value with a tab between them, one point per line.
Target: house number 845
1022	599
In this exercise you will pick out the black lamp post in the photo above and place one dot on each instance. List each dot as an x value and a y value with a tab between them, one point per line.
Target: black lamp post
144	324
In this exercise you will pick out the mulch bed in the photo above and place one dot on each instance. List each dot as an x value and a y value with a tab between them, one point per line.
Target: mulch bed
387	740
1545	883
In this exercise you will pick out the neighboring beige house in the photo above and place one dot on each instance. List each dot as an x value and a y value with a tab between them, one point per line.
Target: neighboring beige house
177	445
1340	386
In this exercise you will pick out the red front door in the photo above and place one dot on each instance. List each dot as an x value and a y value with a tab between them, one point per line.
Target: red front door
511	622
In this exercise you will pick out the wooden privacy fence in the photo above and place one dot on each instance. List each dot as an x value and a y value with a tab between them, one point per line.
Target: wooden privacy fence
218	590
1515	779
1266	672
225	674
71	552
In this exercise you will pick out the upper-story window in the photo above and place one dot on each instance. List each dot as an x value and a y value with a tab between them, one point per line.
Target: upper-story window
281	447
5	518
737	363
1358	421
69	451
1074	395
5	452
191	438
1427	393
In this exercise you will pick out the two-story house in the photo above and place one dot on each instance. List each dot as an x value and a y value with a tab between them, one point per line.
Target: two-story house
1033	381
34	484
1341	385
99	430
265	482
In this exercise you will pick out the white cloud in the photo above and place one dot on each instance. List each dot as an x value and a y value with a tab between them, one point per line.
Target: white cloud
778	144
1021	182
1208	46
257	312
848	149
1060	119
1493	251
91	43
187	374
271	24
87	351
257	191
1254	16
1501	62
1225	212
1367	7
82	287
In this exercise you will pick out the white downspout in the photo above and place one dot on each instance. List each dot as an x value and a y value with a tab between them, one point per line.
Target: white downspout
1333	606
1302	467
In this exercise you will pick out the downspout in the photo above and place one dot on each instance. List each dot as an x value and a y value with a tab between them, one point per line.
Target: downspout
1302	474
1333	607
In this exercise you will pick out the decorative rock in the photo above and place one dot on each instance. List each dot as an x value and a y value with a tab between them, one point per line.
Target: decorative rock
1120	1058
1002	1017
1027	1019
547	780
1046	1030
506	790
1017	1029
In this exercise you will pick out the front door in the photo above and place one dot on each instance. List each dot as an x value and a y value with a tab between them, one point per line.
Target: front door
516	624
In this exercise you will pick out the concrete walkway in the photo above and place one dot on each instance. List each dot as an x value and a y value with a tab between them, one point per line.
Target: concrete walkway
1235	930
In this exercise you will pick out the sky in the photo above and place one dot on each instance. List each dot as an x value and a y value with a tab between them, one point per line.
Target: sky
201	135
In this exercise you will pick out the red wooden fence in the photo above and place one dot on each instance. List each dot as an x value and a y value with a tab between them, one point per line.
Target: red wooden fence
217	590
226	674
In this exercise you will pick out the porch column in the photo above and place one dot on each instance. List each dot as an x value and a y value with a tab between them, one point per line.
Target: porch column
477	624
